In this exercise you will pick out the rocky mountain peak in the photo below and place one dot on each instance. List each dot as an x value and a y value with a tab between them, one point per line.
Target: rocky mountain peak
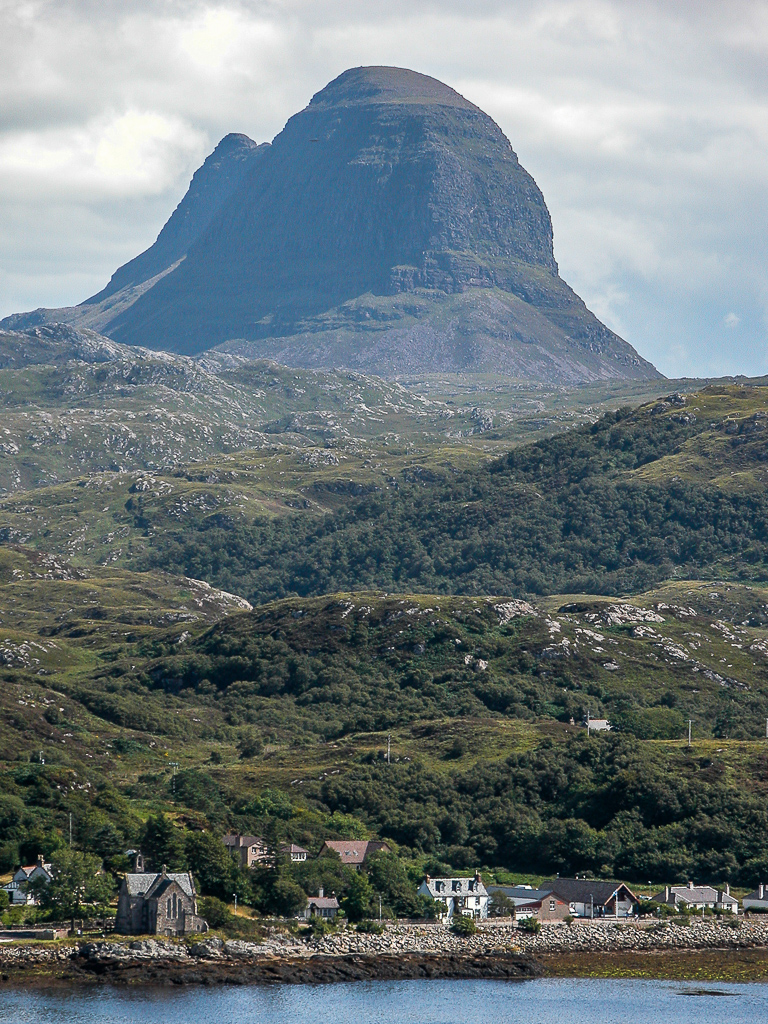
366	85
389	227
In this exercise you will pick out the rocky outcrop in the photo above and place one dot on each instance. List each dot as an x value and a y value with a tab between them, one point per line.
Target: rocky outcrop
388	228
400	952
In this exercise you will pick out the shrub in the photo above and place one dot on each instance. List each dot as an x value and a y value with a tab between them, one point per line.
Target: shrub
501	905
320	926
370	927
529	924
215	912
463	925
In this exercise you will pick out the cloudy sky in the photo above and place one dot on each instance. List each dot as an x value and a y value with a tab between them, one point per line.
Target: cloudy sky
645	124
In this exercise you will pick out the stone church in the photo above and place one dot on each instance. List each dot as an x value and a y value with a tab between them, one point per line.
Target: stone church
158	903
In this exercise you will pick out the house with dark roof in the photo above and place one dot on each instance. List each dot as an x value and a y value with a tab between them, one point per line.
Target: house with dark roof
466	896
591	897
542	904
757	900
698	897
164	903
517	894
321	906
354	852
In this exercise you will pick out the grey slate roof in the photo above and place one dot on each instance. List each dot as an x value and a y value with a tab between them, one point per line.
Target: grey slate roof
579	890
694	894
456	887
519	894
141	884
323	902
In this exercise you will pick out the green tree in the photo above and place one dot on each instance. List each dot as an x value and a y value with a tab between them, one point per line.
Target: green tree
77	884
163	843
389	878
215	870
359	898
285	897
215	912
501	906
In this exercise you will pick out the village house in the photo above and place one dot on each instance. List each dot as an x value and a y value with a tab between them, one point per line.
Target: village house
158	903
549	907
466	896
757	900
249	849
698	897
588	897
254	850
529	902
320	906
18	887
297	853
354	852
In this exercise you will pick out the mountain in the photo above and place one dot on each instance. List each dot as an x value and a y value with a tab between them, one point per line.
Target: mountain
388	228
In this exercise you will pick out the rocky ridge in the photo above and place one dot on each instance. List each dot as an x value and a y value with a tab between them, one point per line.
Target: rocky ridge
389	228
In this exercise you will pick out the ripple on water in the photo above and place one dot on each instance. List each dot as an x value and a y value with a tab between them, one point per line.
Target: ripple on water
545	1001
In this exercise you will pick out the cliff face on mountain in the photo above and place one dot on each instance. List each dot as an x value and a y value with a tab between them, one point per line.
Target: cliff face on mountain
389	227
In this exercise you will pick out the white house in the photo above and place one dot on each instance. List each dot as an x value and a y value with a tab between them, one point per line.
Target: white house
467	896
320	906
698	897
18	887
297	853
757	900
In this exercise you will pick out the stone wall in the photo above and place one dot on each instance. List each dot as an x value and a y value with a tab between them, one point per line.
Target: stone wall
427	939
577	937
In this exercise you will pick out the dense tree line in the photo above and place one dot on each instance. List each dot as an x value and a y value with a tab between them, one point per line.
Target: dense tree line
607	805
561	515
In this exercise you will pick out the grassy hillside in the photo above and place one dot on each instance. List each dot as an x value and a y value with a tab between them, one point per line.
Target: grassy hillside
632	553
673	488
278	720
73	403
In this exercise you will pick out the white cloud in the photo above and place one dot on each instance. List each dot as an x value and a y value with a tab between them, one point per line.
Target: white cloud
133	153
645	122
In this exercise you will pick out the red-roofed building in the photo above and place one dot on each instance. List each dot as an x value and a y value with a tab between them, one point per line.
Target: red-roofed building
354	852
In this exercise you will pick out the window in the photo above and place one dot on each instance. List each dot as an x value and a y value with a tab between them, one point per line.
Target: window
551	906
168	908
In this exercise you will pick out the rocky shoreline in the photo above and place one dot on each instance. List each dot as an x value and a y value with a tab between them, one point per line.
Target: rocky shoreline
496	951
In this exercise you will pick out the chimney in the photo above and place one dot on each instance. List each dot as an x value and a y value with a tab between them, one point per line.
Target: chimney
690	885
40	860
666	894
727	888
320	892
428	879
761	890
165	870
